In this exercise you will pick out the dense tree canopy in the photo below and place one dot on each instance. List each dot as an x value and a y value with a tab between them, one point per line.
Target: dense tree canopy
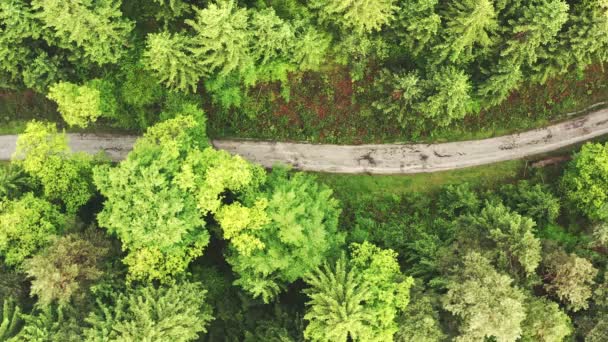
357	300
195	243
286	234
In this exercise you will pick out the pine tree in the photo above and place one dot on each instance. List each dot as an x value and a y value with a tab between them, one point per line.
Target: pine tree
97	27
470	25
336	308
359	299
362	16
10	320
449	96
178	312
222	38
174	61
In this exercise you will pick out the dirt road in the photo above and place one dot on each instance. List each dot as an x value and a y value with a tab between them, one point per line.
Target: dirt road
375	159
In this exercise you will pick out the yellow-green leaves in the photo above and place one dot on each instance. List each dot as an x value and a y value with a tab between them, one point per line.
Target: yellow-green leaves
78	105
26	225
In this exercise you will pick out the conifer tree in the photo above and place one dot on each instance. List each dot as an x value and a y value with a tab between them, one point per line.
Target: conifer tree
177	312
98	27
362	16
174	61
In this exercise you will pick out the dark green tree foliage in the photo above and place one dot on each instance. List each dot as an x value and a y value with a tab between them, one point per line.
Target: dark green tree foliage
298	233
178	312
531	36
96	27
587	36
585	181
510	236
49	324
416	25
66	268
533	201
10	320
401	92
359	299
221	37
26	225
13	181
420	320
485	301
18	27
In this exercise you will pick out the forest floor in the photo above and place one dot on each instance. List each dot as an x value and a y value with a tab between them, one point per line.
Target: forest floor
373	159
329	107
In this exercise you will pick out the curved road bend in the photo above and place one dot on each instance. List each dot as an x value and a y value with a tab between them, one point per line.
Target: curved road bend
375	159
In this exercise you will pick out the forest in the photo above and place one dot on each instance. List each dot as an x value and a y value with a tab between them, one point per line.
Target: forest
181	241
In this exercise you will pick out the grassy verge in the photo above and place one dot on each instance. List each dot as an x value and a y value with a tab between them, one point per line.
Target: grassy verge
357	187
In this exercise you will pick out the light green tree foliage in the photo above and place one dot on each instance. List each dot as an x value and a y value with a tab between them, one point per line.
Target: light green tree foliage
159	195
337	309
600	235
282	234
221	37
64	269
362	16
570	279
173	59
401	92
416	24
512	236
49	323
157	221
178	312
26	225
45	155
545	322
309	47
448	96
585	181
78	105
360	299
98	27
485	301
534	201
469	26
10	320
